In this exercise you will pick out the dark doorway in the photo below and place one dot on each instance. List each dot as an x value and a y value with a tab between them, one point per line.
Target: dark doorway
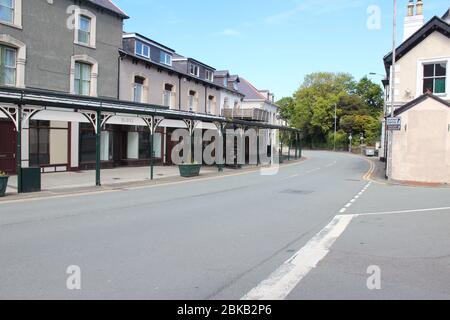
8	139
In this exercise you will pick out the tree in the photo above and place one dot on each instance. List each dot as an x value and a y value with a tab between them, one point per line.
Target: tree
287	106
372	94
359	106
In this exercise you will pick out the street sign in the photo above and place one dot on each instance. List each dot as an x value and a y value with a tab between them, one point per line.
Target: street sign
394	124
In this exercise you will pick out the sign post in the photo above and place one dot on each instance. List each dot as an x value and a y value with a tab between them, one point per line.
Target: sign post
394	124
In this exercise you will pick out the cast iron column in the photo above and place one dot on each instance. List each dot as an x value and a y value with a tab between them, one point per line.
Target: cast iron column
97	149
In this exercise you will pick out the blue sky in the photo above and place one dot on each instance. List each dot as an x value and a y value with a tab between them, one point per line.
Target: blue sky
274	43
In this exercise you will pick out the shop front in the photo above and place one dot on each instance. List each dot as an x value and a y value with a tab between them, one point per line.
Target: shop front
120	146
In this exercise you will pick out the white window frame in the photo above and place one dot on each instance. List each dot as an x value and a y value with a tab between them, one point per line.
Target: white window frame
21	54
420	75
17	15
435	77
165	58
93	27
94	73
87	32
211	103
168	95
11	67
81	79
144	89
209	75
141	54
192	72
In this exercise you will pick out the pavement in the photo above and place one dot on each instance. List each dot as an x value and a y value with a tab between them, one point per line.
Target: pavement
311	231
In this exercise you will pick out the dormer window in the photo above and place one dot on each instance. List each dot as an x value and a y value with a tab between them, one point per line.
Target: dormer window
194	70
142	50
225	82
434	78
209	75
165	58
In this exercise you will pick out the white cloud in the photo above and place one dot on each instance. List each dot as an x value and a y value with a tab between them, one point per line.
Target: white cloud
314	7
229	33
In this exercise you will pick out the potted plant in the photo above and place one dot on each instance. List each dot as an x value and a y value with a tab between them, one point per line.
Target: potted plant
3	183
188	170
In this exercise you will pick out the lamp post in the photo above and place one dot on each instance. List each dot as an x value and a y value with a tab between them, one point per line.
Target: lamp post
392	94
335	125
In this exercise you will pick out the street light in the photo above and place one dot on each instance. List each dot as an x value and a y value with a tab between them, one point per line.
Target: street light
335	125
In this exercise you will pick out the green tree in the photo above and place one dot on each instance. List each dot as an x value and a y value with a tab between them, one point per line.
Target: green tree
359	106
287	106
372	94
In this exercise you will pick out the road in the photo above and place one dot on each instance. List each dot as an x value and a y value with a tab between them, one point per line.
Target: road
309	232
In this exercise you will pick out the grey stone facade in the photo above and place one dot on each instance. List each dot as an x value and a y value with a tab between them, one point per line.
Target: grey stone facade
50	44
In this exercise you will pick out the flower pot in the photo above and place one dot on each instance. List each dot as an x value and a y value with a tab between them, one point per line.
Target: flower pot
189	170
3	185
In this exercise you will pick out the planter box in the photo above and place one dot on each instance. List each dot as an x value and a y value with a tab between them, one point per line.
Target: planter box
189	170
3	185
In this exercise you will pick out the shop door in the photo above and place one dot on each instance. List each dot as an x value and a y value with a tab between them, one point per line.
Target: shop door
8	140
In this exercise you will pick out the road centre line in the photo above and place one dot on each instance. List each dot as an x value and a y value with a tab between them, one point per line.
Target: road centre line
281	282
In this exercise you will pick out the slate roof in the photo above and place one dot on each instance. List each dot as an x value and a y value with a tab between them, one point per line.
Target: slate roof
435	24
419	100
250	92
446	15
110	6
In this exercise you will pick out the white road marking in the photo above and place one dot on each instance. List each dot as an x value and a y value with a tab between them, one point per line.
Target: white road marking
404	211
313	170
281	283
286	278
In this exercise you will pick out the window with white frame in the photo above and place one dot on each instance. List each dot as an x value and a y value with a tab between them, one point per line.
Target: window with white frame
167	95
209	75
138	89
165	58
83	78
225	82
84	31
7	11
191	102
142	50
194	70
210	104
85	28
435	78
8	65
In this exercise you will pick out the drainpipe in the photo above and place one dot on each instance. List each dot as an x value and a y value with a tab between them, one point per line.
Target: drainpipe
206	99
118	77
179	92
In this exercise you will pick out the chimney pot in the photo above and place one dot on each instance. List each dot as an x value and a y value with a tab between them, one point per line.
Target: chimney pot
410	8
419	8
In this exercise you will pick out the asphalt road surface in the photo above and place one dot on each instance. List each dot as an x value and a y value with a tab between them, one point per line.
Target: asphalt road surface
315	230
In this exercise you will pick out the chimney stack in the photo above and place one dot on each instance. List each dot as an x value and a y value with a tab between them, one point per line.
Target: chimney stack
413	22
